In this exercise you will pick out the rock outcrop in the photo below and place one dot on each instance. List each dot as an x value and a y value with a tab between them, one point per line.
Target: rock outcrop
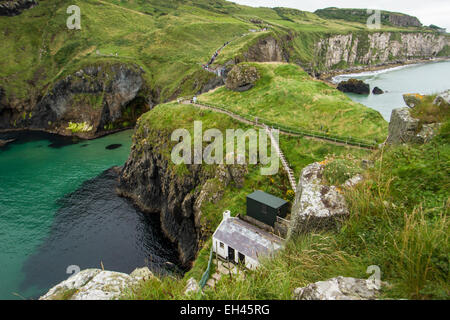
339	288
151	181
95	99
377	90
412	99
403	20
96	284
15	7
403	128
266	50
242	78
442	99
354	86
316	206
354	51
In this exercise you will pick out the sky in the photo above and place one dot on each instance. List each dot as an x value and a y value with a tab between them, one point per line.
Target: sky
429	12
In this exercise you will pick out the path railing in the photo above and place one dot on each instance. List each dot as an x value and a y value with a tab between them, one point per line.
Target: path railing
350	141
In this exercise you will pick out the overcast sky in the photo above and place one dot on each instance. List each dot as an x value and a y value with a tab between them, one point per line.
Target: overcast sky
428	11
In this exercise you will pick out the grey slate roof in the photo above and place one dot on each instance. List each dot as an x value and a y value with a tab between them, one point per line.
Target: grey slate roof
267	199
246	238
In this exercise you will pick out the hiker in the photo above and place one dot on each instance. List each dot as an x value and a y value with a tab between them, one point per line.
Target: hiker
194	99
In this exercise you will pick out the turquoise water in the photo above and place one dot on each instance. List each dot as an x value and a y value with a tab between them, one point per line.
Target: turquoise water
33	177
428	78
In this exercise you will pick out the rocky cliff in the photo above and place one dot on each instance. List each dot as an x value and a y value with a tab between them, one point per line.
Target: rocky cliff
150	179
365	49
15	7
94	100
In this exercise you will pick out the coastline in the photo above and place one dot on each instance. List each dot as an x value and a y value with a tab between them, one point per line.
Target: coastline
67	135
328	76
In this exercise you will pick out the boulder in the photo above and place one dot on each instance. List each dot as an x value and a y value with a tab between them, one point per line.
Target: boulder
242	78
15	7
96	284
403	128
377	91
339	288
316	206
191	287
354	86
442	99
412	99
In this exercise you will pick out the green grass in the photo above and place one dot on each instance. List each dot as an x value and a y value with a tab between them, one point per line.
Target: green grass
158	124
168	39
286	95
398	220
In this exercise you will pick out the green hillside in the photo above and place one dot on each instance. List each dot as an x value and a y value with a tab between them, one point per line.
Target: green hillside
287	95
169	39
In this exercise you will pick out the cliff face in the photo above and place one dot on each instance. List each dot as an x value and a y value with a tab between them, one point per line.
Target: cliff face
95	99
345	51
15	7
156	187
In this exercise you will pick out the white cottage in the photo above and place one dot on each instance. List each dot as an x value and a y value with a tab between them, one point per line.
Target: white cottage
240	242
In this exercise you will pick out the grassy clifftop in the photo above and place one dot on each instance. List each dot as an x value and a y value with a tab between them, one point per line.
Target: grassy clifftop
287	95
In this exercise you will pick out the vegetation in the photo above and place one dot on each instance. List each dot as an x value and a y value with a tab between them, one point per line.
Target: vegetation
399	221
79	127
428	112
398	217
168	39
286	95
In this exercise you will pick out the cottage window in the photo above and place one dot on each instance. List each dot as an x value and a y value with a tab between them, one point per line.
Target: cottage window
221	245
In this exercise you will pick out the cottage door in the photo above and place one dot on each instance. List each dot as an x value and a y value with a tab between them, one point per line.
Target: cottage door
241	259
231	254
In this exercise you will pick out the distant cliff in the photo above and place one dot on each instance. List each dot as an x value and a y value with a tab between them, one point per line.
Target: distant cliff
339	52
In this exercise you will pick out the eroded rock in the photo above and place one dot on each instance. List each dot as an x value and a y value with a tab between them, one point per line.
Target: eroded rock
96	284
403	128
377	91
442	99
316	206
242	78
412	99
15	7
339	288
354	86
148	179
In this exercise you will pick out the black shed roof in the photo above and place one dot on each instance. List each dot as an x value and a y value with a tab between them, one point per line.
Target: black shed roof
267	199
